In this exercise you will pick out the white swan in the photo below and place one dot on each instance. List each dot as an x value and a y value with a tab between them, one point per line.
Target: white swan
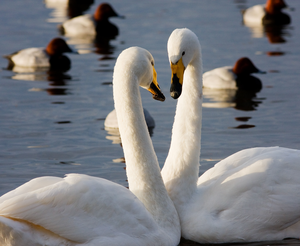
87	211
253	195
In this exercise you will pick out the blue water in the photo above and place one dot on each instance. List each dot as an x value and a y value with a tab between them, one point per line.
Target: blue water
55	125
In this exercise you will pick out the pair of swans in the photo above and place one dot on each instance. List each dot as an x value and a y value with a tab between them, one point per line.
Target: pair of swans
252	195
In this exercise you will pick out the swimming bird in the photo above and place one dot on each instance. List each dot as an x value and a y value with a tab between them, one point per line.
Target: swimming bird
236	77
65	9
268	14
252	195
92	25
51	56
111	120
83	210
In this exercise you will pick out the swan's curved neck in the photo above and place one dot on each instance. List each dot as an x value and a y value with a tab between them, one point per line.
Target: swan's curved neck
142	167
181	169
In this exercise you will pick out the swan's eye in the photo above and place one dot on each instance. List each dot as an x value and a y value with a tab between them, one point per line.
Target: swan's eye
183	53
152	63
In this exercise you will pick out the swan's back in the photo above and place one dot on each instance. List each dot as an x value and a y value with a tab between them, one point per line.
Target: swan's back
251	195
79	208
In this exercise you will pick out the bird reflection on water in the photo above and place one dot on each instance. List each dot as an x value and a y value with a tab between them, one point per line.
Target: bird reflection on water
229	98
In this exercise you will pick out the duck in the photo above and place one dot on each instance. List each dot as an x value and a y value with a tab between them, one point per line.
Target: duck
49	57
236	77
64	9
268	14
82	210
92	25
252	195
111	120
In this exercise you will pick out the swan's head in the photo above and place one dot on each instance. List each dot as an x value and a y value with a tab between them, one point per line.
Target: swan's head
183	47
138	62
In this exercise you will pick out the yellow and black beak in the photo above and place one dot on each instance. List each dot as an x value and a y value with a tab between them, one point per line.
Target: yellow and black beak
177	79
155	89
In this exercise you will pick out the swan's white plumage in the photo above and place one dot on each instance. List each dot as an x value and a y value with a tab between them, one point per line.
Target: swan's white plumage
252	195
64	207
87	211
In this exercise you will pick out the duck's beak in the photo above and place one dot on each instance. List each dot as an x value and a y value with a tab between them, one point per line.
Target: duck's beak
177	78
155	89
120	16
261	72
69	50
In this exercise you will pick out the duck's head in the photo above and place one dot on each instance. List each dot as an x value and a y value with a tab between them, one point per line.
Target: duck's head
244	67
141	64
183	48
57	46
105	11
275	6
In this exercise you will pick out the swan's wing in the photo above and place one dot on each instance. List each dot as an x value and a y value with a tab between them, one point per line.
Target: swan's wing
30	186
253	188
236	160
80	208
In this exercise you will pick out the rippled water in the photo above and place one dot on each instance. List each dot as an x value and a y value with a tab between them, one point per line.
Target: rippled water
52	124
